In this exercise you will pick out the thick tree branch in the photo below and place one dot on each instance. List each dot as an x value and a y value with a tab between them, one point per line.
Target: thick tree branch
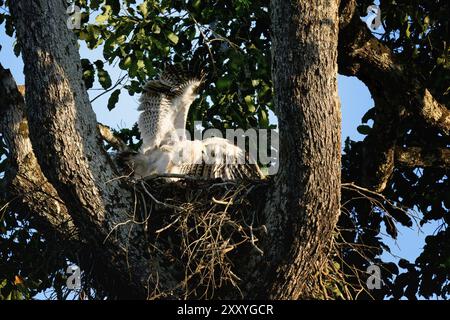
364	56
68	147
108	136
420	157
63	129
395	90
304	206
25	178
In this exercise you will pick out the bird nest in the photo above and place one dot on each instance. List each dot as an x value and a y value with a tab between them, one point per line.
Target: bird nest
206	230
201	227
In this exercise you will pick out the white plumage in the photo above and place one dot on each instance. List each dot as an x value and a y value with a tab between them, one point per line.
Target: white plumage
164	107
155	121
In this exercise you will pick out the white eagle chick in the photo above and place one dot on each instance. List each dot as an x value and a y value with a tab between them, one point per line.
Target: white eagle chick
164	107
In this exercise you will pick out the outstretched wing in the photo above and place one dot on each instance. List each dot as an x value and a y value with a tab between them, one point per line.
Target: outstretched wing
155	122
164	105
184	92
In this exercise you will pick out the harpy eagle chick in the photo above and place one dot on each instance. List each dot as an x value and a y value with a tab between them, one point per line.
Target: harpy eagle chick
164	107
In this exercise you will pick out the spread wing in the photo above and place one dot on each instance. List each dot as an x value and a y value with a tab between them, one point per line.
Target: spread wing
164	106
185	86
155	121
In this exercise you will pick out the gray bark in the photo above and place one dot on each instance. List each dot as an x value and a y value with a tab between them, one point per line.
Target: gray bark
27	183
304	209
63	132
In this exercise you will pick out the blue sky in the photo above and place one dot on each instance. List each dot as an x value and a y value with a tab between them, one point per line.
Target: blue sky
355	101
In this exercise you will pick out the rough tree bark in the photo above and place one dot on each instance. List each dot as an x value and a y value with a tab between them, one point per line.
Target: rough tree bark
24	175
63	132
70	160
303	211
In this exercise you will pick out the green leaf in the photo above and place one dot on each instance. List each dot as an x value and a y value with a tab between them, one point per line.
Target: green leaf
426	23
9	27
250	104
95	4
223	83
127	62
17	49
121	39
88	73
113	99
408	31
440	61
104	78
370	114
172	37
140	64
115	6
364	129
263	118
99	64
196	4
143	9
156	29
102	18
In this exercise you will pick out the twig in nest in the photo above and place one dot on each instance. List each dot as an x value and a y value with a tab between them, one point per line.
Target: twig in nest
168	226
157	201
226	203
205	233
253	242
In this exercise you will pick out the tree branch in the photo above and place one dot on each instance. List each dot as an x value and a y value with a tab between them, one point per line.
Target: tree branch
364	56
25	179
303	207
420	157
68	147
108	136
396	92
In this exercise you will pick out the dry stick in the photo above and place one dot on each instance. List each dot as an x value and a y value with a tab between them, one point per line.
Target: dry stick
168	226
157	201
119	81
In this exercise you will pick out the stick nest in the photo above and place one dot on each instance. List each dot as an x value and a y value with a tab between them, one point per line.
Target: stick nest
201	227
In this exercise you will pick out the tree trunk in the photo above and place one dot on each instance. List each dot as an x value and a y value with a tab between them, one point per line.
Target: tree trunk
305	206
63	132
